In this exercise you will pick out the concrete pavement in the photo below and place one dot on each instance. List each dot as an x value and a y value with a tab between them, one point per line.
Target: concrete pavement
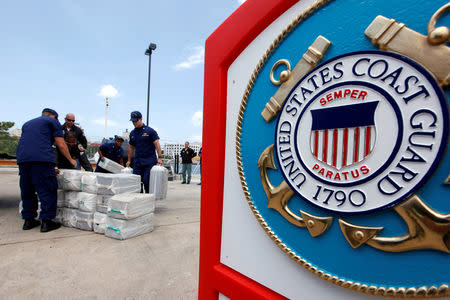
73	264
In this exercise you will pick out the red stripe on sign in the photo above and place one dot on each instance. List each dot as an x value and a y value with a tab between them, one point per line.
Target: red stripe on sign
367	149
345	148
356	148
335	144
325	146
316	143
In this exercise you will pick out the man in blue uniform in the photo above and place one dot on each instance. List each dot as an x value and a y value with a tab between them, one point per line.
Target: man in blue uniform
36	160
113	151
143	142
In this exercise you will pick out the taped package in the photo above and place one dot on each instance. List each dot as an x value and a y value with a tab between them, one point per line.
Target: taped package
99	222
89	183
59	215
110	165
102	203
60	179
159	177
60	200
87	202
112	184
125	229
72	179
71	199
130	206
69	217
85	220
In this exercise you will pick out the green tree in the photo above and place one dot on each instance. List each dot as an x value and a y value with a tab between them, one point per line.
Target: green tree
8	144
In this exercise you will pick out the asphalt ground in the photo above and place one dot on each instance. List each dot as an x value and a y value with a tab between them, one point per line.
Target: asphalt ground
69	263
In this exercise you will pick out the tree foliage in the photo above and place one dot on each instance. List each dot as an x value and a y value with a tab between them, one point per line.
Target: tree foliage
8	144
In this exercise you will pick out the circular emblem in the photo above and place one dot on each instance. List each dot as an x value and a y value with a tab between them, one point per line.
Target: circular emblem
361	132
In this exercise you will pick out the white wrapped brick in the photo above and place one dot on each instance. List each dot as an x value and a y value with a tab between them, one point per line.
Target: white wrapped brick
99	223
85	220
87	202
71	200
130	206
102	203
72	180
110	165
89	183
59	215
112	184
60	179
69	217
159	177
60	200
125	229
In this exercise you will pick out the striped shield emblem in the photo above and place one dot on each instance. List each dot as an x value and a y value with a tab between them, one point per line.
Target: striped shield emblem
344	135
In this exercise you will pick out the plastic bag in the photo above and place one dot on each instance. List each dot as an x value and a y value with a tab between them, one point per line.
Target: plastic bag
60	200
72	180
110	165
59	215
85	220
112	184
130	206
159	177
102	203
71	200
89	183
69	217
125	229
99	223
87	202
127	170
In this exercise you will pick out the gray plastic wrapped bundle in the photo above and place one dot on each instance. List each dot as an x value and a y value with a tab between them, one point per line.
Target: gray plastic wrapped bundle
110	166
130	206
60	200
59	215
112	184
69	217
102	203
72	180
99	222
89	183
125	229
159	177
71	200
127	170
85	220
60	179
87	202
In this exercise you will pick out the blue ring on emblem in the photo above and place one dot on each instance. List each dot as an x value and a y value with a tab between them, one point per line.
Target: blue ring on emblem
442	146
398	143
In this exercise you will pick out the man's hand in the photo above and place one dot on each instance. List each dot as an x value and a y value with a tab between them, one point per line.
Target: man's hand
57	171
160	162
128	164
73	162
102	158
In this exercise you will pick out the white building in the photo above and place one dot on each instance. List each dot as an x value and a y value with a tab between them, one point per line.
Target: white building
172	149
15	132
126	135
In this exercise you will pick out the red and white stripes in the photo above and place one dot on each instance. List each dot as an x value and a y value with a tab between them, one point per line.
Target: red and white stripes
344	146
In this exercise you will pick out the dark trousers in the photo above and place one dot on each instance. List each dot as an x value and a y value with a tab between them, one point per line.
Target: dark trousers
84	162
38	178
144	172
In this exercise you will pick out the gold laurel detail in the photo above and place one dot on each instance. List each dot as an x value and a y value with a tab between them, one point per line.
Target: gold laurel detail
397	292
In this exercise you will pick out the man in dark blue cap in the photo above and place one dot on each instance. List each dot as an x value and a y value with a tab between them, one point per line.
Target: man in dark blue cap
113	151
36	160
143	142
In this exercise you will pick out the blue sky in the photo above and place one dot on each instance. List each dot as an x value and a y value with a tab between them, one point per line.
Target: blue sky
62	54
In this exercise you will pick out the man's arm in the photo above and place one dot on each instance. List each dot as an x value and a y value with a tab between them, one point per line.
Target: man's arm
102	158
130	154
158	150
121	161
59	141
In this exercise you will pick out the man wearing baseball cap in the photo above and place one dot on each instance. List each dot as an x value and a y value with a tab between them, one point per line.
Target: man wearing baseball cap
112	151
36	160
143	143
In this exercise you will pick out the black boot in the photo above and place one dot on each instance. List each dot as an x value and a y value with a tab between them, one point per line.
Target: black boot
49	225
30	224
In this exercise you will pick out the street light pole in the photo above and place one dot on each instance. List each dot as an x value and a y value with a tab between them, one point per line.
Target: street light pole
148	52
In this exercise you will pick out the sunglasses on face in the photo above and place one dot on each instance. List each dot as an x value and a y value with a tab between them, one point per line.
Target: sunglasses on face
70	120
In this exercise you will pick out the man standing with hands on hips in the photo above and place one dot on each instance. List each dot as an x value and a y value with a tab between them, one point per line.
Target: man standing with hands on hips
36	160
143	143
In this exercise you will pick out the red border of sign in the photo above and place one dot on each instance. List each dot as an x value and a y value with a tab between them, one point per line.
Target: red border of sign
222	48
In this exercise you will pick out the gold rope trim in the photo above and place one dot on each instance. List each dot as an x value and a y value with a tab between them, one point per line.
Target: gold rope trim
400	292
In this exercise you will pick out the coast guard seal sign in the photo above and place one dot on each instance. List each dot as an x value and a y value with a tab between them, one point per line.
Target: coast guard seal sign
342	141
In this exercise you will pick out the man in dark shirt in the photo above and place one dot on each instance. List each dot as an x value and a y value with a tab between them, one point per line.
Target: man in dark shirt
143	143
80	140
113	151
36	160
186	162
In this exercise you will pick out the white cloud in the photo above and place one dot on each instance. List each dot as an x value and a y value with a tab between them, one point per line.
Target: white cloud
196	58
195	138
101	121
241	1
197	118
108	91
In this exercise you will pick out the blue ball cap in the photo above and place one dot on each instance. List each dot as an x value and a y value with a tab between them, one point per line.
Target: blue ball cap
51	111
135	116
